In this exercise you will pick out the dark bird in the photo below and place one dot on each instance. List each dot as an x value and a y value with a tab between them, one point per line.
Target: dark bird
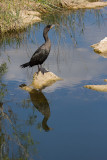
41	53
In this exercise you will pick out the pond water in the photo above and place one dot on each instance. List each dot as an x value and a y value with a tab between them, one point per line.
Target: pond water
65	120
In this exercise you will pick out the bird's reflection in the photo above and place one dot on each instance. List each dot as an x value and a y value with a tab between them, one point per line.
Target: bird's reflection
40	102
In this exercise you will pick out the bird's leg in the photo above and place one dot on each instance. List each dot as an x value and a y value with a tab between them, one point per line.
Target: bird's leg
41	67
38	69
43	70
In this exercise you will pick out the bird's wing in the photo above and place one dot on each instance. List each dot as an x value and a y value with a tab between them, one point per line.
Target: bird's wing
38	53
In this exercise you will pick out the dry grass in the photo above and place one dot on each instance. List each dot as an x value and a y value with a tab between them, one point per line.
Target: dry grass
10	13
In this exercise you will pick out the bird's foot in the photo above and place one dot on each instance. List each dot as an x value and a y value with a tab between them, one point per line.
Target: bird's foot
43	70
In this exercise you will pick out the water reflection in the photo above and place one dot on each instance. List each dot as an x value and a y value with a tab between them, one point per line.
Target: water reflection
3	90
66	22
77	66
12	139
102	54
41	103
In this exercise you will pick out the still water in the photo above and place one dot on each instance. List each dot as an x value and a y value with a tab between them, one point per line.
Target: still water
65	120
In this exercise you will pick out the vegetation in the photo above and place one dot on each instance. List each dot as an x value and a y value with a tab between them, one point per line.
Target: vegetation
10	12
10	17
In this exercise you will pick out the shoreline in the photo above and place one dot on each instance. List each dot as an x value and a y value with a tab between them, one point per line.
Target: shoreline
29	15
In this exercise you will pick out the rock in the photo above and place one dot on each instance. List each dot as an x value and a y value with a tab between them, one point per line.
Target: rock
101	88
101	47
29	17
81	4
91	5
40	80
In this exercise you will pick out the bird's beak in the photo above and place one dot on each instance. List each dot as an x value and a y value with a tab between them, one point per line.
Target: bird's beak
52	26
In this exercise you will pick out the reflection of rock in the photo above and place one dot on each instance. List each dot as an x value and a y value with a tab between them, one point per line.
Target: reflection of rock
101	47
105	80
41	81
40	102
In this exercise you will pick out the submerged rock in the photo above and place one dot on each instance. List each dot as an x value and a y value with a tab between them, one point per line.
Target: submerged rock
101	47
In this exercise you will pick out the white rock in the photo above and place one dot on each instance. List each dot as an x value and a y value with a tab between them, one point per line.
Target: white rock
101	47
101	88
41	81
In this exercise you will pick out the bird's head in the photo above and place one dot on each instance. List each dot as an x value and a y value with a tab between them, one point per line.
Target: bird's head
47	28
45	31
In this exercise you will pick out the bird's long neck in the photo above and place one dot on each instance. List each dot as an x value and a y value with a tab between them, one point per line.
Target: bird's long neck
45	35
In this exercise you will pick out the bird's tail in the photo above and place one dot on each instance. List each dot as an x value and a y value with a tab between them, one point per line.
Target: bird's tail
25	65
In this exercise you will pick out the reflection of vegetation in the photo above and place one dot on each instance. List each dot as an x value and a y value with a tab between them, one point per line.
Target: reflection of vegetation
16	38
3	69
12	38
12	137
3	90
66	22
72	22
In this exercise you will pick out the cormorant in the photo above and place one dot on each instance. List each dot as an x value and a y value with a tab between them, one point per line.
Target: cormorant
41	53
